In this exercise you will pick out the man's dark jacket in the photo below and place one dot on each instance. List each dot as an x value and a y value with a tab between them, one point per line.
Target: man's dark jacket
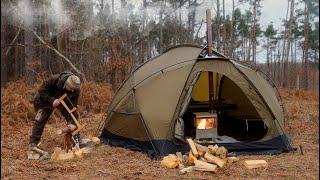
52	89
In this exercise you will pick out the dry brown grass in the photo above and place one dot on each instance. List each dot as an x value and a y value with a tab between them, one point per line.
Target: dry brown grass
118	163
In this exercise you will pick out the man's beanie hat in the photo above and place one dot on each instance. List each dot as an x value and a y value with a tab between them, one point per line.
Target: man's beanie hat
73	82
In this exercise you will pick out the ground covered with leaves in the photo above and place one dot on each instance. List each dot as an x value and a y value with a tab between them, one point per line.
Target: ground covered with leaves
106	162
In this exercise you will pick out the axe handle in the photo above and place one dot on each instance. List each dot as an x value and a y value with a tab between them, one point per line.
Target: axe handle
79	129
68	109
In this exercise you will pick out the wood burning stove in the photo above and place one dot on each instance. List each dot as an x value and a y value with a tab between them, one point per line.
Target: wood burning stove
206	125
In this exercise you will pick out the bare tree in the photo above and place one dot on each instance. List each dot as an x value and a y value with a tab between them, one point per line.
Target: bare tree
306	45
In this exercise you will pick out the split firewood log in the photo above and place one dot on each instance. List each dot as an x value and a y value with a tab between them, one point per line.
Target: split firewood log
191	158
232	159
201	149
66	156
252	164
222	152
180	157
186	170
79	153
204	166
213	159
95	140
181	166
170	162
213	149
193	147
56	153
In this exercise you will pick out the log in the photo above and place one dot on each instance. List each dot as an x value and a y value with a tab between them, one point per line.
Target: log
185	157
79	153
203	159
87	150
95	140
191	158
87	143
65	156
186	170
232	159
56	153
213	149
213	159
180	157
221	152
173	156
201	148
170	162
203	166
59	154
252	164
181	166
193	147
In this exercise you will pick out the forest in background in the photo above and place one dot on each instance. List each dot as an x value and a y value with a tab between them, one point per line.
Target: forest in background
104	40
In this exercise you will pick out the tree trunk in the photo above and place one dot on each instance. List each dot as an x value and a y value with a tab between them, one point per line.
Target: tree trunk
268	61
224	28
231	32
254	32
4	58
161	34
29	55
218	25
284	53
306	45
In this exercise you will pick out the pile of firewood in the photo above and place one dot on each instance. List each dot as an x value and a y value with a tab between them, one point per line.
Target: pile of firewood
200	158
59	154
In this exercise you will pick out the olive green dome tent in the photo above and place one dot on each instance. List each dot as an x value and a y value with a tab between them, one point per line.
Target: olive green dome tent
147	108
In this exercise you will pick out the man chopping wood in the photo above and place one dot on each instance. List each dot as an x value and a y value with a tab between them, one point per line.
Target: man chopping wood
47	98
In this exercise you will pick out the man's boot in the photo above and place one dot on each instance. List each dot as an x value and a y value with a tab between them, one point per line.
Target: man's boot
33	150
